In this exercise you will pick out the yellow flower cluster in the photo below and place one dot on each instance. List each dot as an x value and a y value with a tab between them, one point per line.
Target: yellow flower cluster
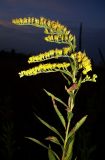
83	61
50	26
60	38
50	54
94	77
41	68
56	32
88	78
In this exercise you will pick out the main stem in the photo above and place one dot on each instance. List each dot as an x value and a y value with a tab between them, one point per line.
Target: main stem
68	125
69	110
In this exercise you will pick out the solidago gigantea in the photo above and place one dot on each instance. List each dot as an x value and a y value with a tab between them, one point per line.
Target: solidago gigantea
75	68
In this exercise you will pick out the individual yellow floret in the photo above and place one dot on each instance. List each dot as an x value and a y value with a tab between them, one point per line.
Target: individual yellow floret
94	77
88	78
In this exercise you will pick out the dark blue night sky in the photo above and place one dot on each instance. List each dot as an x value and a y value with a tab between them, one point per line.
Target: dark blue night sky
68	12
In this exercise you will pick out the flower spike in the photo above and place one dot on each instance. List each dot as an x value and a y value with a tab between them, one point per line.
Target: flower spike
44	68
54	53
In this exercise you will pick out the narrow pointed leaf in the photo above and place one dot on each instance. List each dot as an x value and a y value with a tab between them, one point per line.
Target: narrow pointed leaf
50	127
70	116
79	84
37	141
75	158
66	72
59	114
74	44
41	144
65	78
80	80
69	149
51	154
53	139
77	126
54	97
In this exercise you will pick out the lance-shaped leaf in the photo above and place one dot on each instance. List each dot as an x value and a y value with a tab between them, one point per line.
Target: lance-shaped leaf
67	72
74	44
69	116
50	127
52	155
37	141
79	84
53	139
59	114
69	149
77	126
56	98
41	144
66	78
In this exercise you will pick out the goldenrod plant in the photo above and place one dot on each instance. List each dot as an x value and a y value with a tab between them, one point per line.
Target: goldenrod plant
75	67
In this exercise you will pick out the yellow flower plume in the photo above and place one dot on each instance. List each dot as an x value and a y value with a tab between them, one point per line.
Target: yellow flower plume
58	33
55	31
44	68
51	27
83	61
50	54
67	39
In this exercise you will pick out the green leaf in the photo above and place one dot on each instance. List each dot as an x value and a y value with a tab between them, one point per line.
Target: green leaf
69	149
66	72
77	126
74	44
37	141
75	158
79	84
53	139
50	127
79	81
72	65
56	98
51	154
59	114
65	77
41	144
69	116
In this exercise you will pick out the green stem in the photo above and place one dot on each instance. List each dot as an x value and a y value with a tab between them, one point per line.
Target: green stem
70	108
67	128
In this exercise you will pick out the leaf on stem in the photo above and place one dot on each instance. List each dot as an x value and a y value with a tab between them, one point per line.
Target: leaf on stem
69	149
50	127
77	126
56	98
69	116
53	139
59	114
52	155
65	77
66	72
37	141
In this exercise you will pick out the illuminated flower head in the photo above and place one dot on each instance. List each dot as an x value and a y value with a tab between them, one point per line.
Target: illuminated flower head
44	68
57	33
83	61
